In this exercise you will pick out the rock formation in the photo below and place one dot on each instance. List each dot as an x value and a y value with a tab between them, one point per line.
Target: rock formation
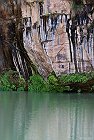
63	28
52	35
25	62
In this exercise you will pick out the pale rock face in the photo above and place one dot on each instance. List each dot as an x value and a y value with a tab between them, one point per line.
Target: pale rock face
59	6
56	46
33	46
59	42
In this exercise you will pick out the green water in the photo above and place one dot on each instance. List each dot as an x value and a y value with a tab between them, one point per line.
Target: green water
46	117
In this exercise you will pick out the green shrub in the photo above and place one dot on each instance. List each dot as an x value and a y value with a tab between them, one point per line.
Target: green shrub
11	80
74	78
21	84
37	84
52	79
54	85
4	82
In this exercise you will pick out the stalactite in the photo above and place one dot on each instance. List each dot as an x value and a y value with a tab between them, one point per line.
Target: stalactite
41	8
73	29
44	23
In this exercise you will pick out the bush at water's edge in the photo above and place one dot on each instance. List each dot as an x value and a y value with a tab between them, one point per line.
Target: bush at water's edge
80	82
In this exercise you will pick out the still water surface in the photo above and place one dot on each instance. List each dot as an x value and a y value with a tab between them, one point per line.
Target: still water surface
46	117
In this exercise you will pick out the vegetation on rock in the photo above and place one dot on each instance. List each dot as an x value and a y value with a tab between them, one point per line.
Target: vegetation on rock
11	81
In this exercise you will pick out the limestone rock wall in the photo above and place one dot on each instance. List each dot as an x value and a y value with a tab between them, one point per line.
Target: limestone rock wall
58	49
49	35
32	38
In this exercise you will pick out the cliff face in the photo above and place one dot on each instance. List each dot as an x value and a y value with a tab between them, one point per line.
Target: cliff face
60	5
32	38
6	61
46	38
58	48
72	46
12	53
57	35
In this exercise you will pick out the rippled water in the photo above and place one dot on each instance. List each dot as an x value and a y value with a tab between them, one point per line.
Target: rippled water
46	117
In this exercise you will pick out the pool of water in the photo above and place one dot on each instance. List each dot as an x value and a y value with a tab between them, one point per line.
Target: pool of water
46	116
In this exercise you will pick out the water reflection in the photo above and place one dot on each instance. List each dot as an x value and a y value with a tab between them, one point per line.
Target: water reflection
46	117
